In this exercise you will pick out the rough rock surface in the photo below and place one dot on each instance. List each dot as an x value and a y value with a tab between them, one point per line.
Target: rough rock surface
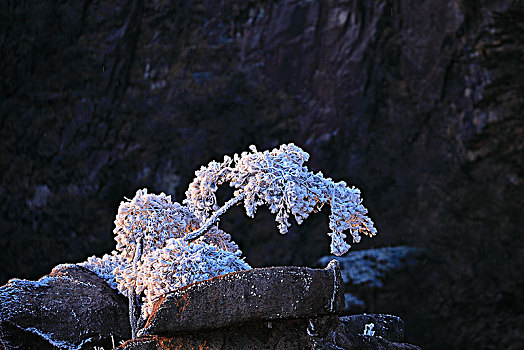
245	296
71	308
277	334
386	326
389	333
327	332
101	97
279	308
266	308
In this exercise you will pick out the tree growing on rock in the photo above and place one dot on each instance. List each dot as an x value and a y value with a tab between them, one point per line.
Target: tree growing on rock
164	245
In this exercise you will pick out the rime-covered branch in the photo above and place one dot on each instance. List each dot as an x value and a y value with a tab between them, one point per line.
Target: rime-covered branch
279	179
214	218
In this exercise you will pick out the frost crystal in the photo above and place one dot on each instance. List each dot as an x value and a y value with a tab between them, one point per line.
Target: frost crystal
368	329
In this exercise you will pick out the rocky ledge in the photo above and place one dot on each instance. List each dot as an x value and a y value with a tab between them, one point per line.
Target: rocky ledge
277	308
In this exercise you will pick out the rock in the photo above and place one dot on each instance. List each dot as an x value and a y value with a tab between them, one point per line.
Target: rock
386	326
326	332
388	333
268	308
276	334
71	308
246	296
362	342
282	308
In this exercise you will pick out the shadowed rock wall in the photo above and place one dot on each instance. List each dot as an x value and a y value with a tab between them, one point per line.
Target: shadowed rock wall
100	98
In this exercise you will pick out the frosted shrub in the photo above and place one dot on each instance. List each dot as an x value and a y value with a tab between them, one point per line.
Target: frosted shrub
162	246
104	267
152	259
179	264
151	219
279	180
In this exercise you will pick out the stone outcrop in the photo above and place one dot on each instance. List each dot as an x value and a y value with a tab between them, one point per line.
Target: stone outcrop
386	326
327	332
263	294
279	308
277	334
71	308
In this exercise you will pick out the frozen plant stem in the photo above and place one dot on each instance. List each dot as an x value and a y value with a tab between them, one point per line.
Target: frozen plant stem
134	312
190	237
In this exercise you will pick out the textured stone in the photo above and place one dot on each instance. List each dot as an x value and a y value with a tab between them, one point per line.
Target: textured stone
70	308
275	334
386	326
257	294
362	342
327	332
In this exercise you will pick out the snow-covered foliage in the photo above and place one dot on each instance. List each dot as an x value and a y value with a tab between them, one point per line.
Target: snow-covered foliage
179	264
162	246
152	219
279	179
104	267
165	261
369	268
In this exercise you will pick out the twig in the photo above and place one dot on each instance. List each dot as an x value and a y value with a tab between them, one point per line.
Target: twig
214	218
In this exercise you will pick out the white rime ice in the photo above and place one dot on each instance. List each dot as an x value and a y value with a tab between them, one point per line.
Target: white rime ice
166	262
279	179
162	246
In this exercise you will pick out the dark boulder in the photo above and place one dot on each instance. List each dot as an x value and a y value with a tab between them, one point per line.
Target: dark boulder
245	296
362	342
276	334
279	308
266	308
102	97
326	332
71	308
386	326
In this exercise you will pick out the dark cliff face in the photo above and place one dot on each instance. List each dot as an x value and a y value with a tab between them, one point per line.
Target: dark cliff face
100	98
